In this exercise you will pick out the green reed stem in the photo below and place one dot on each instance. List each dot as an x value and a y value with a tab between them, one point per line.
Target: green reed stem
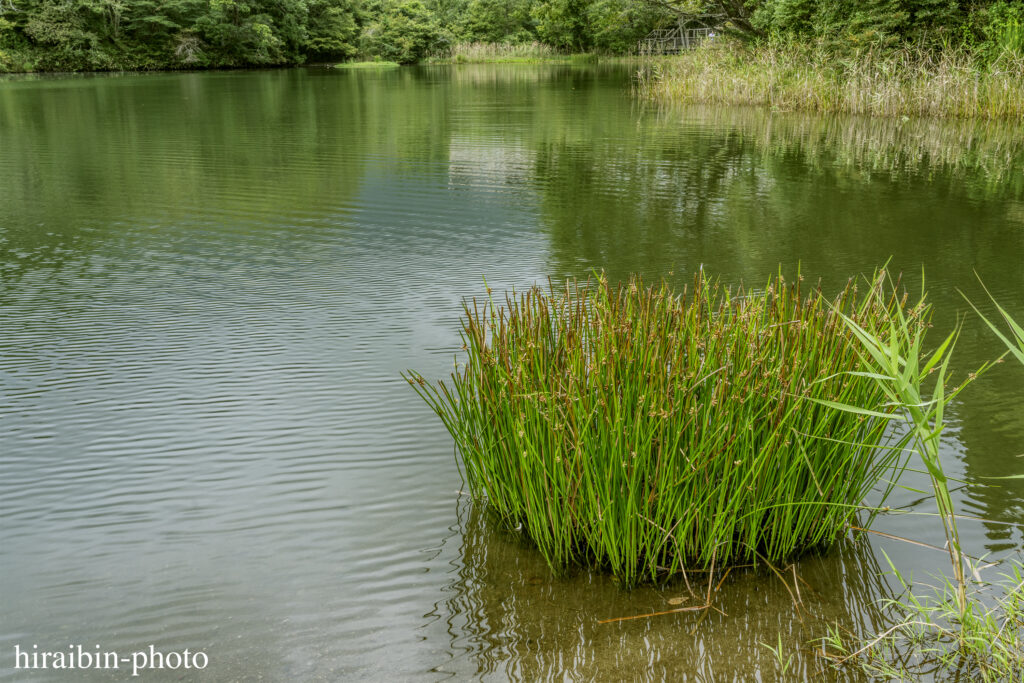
648	432
894	352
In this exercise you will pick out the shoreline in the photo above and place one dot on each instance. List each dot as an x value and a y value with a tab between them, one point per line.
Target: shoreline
904	83
168	70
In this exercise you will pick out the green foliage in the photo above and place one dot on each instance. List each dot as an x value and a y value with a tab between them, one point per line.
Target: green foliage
893	21
404	34
243	32
110	34
507	52
379	64
961	630
1002	29
563	23
616	25
645	431
151	34
788	16
496	21
612	26
859	22
69	34
333	29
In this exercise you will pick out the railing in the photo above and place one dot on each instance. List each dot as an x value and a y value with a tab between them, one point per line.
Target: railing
670	41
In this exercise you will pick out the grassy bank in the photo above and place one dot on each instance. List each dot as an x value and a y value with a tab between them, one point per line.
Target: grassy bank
790	76
649	432
367	65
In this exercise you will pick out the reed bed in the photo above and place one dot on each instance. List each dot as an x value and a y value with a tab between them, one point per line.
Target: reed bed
478	52
652	433
953	82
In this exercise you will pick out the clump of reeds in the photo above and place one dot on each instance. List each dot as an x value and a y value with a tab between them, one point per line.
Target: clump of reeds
786	75
650	432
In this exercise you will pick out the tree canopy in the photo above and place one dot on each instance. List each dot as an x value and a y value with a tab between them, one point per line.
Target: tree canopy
154	34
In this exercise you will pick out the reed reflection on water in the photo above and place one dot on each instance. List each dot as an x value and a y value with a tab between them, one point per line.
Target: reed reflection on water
509	617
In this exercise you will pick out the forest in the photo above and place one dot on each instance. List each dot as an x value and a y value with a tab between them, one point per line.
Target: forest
82	35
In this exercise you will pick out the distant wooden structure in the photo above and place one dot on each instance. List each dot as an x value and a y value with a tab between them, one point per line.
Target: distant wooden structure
688	33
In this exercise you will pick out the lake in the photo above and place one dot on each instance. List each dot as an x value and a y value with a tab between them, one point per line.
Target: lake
211	282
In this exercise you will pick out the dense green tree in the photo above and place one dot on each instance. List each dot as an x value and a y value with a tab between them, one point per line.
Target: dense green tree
891	21
404	33
149	34
564	23
66	35
497	21
451	14
252	32
617	25
787	16
886	21
334	27
999	27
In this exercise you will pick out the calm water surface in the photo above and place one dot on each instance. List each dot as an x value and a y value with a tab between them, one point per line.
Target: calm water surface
209	284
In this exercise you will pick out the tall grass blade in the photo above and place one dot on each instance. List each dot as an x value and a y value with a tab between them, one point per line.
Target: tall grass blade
636	428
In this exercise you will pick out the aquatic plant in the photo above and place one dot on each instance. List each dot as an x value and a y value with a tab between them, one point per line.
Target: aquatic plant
896	361
652	433
793	75
962	629
936	637
1014	339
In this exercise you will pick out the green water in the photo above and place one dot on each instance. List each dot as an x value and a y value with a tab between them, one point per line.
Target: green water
209	283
